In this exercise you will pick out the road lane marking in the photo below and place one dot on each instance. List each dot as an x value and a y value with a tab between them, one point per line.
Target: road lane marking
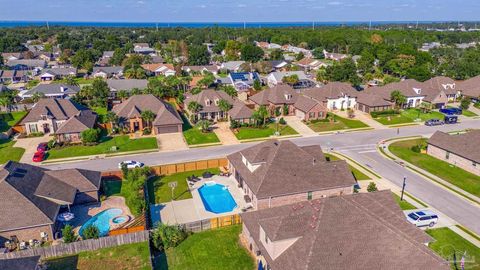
369	151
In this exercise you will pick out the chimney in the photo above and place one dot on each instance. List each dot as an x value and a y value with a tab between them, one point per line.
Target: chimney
314	161
62	89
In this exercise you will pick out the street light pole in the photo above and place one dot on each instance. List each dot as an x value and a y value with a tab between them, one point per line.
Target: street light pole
403	187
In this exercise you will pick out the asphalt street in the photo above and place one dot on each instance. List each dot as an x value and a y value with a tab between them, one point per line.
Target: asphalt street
358	145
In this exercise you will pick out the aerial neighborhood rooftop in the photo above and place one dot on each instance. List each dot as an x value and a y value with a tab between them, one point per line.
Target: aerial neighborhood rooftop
213	148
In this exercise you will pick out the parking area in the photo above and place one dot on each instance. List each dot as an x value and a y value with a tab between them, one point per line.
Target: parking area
171	142
30	146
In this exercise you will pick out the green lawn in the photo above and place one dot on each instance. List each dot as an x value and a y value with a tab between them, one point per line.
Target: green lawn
125	257
193	135
160	192
408	116
356	173
403	204
102	112
449	243
123	144
339	123
217	249
8	152
8	120
454	175
246	133
466	113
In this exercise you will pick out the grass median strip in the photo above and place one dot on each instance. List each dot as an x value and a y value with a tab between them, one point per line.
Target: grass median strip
9	152
404	205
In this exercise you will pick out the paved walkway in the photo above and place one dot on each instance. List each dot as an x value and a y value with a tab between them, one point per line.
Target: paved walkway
171	142
224	134
30	146
367	119
299	126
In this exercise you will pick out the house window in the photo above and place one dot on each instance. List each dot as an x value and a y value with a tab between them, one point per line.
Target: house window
311	114
33	128
447	155
309	195
44	117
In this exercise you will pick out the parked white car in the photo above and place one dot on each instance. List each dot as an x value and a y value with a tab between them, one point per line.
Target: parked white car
423	218
131	164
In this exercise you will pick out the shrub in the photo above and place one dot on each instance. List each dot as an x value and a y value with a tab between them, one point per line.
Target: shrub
91	135
416	148
277	112
234	124
134	181
384	113
68	234
282	121
465	103
372	187
168	236
51	143
91	232
285	109
147	131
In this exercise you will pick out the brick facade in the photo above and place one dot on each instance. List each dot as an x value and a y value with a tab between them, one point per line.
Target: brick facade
454	159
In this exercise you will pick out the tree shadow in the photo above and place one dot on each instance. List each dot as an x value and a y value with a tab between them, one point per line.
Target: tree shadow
63	263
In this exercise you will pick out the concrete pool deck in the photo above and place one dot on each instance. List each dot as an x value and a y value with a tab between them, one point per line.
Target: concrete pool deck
191	210
84	212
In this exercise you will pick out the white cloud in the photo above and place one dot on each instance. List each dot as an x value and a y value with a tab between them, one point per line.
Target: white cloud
334	3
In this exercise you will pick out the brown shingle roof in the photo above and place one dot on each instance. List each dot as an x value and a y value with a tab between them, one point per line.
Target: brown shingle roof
464	145
56	108
83	120
305	104
406	87
372	100
208	94
470	87
359	231
286	168
442	83
332	90
240	111
275	95
134	105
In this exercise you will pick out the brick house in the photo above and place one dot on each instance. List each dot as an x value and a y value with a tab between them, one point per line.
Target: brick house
167	119
334	95
61	117
33	196
357	231
209	100
460	150
372	103
275	173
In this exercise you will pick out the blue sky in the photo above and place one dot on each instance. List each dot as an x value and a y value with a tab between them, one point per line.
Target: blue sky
239	10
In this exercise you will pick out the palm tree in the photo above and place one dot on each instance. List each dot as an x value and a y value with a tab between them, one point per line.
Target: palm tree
37	96
122	94
204	125
398	98
194	107
260	115
148	117
6	102
224	106
112	118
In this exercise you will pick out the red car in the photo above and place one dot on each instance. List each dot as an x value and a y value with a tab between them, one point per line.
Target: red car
38	156
42	147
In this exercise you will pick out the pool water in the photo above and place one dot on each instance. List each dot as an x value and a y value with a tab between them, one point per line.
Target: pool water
102	221
216	198
119	220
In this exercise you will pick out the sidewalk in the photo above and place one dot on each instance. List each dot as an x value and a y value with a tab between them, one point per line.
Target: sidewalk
430	176
299	126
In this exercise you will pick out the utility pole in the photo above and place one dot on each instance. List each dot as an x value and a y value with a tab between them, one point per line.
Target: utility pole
403	187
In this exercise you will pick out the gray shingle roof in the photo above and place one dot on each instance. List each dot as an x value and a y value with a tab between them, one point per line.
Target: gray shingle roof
208	94
464	145
85	119
108	70
288	169
60	71
372	100
56	108
134	105
127	84
442	83
28	193
359	231
54	89
31	63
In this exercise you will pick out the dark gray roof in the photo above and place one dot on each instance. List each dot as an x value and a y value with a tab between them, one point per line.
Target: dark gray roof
108	54
26	263
31	63
127	84
359	231
30	194
204	96
108	70
135	105
59	71
276	95
464	145
85	119
286	168
56	108
54	89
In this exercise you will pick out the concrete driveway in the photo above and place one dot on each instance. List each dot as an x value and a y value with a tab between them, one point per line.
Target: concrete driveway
299	126
171	142
224	134
30	146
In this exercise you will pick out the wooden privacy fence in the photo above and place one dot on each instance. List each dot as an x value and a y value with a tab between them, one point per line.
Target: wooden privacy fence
177	168
212	223
76	247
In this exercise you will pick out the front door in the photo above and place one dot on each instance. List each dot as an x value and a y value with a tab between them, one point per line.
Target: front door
46	128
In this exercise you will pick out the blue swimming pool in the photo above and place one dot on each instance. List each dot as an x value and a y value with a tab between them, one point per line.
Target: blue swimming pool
216	198
102	221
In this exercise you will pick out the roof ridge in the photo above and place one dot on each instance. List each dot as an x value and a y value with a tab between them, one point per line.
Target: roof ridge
315	235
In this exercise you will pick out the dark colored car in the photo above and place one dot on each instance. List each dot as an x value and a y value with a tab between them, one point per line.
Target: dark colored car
434	122
42	147
451	119
38	156
451	111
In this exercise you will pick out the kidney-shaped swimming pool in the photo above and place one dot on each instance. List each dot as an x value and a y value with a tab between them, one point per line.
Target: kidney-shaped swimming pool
216	198
102	221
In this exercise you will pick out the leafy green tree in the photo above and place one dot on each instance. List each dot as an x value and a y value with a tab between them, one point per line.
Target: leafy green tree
343	71
198	55
465	103
230	90
206	81
219	47
291	79
122	94
398	98
251	53
133	61
112	118
68	235
6	102
118	57
37	96
260	116
91	232
224	106
276	54
194	108
148	117
232	50
70	80
299	56
168	236
257	85
372	187
91	135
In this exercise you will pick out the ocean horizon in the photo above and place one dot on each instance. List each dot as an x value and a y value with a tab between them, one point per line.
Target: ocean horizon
12	24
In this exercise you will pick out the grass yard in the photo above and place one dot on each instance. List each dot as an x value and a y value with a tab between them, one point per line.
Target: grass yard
194	135
102	112
403	204
123	144
408	116
160	192
448	243
468	113
8	152
356	173
217	249
8	120
454	175
339	123
246	133
125	257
